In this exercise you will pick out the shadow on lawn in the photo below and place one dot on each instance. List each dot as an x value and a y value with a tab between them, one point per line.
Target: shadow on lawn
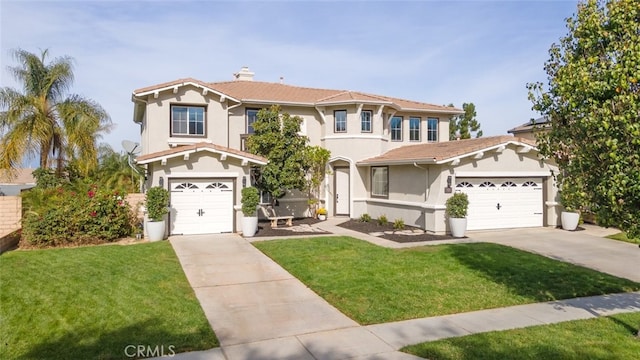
135	341
534	276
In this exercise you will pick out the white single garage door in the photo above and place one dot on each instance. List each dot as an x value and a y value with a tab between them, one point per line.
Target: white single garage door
498	203
200	206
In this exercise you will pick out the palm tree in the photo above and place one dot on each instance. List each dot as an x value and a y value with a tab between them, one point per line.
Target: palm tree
43	120
114	171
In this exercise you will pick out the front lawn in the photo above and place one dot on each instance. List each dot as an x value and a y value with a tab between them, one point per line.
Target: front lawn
623	237
96	302
603	338
373	285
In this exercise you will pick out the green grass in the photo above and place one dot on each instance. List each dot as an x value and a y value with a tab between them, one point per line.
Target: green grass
374	285
92	302
596	339
623	237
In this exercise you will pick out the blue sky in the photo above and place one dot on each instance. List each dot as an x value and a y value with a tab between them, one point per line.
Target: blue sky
439	52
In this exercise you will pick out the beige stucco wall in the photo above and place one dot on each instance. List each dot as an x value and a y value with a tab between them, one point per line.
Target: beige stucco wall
156	130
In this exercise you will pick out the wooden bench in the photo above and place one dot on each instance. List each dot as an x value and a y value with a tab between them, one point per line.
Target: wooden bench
270	214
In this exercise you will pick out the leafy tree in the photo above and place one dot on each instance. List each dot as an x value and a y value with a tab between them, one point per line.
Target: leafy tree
462	125
43	120
277	138
316	158
592	100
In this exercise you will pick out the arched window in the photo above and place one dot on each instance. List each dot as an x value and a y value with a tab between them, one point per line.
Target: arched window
464	184
529	183
508	184
187	186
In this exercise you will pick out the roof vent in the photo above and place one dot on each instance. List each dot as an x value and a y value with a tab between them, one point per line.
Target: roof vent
244	74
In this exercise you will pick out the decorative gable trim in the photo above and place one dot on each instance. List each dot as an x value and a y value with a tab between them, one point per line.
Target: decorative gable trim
185	151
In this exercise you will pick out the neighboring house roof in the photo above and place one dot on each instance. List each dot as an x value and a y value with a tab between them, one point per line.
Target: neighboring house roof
541	122
442	152
18	177
202	146
276	93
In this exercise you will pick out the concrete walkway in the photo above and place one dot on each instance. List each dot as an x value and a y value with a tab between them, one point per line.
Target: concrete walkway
260	311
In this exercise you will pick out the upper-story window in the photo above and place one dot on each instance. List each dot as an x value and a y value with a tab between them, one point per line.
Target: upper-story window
187	120
432	129
340	120
396	128
414	128
252	116
366	117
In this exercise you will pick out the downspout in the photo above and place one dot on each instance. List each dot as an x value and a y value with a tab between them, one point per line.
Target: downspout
129	155
426	192
228	121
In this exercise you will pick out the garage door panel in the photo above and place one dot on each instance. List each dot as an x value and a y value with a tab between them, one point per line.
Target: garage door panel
496	203
202	206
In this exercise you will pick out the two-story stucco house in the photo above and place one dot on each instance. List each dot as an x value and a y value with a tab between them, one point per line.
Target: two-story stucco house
388	156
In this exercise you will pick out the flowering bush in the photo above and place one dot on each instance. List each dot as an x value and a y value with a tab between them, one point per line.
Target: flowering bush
77	217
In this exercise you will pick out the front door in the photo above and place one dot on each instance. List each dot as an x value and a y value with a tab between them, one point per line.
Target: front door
342	191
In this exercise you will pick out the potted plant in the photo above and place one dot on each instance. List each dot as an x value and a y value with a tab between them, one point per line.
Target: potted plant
250	200
571	200
157	203
456	211
322	214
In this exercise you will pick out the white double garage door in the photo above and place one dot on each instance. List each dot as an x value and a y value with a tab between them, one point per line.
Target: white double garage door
496	203
201	206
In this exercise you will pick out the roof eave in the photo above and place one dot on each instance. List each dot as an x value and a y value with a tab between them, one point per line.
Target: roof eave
185	83
423	161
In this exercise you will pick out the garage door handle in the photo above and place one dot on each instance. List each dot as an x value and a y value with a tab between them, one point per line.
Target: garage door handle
498	206
200	212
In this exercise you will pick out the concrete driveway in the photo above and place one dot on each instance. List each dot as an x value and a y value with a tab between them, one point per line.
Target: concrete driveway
584	247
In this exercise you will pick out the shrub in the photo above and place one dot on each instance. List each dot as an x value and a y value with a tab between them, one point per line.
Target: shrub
156	202
457	205
365	217
92	216
398	224
382	220
250	200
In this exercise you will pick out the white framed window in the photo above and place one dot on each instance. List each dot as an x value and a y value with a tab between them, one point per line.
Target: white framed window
380	181
366	117
252	116
187	120
414	128
340	121
396	128
432	129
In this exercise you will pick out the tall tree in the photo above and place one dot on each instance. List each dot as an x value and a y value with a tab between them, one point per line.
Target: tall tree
114	171
464	124
592	100
276	137
43	120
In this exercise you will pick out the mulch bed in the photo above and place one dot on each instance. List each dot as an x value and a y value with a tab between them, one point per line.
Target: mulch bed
264	228
373	227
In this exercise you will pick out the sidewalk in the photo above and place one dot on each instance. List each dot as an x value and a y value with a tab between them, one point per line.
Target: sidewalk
260	311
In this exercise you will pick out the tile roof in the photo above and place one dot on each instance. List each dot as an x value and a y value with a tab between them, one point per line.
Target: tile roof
197	147
267	92
541	122
437	152
18	176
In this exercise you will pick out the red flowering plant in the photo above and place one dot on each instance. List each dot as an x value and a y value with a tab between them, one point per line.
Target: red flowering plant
90	215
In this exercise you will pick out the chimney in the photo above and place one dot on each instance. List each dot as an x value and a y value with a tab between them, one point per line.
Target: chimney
281	79
244	74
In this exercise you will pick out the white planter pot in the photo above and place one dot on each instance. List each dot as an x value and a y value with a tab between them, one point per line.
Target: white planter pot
155	230
322	217
249	226
458	226
570	220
